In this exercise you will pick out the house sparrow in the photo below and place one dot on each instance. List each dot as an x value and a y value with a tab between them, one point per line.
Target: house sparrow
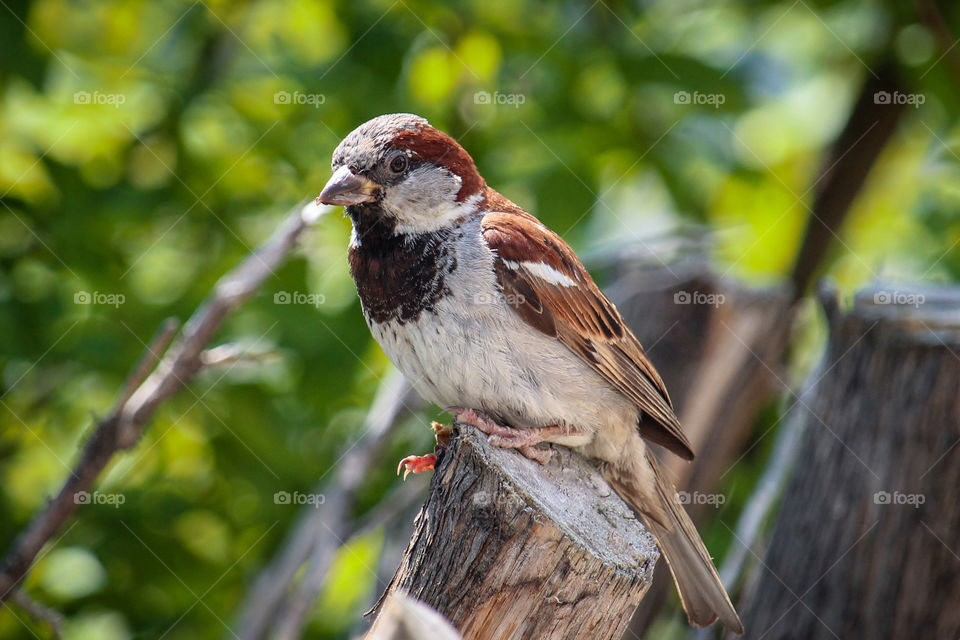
489	313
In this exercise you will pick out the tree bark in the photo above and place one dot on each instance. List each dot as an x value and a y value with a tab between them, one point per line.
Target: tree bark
866	542
507	549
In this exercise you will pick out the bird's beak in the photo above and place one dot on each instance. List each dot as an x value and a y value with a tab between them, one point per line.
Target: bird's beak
347	188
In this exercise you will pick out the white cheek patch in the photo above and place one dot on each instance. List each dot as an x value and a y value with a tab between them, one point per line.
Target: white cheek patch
544	272
427	201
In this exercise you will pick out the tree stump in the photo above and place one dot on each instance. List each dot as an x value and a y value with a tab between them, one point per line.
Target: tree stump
866	543
507	549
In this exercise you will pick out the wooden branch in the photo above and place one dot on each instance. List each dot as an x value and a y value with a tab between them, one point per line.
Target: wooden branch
52	618
865	544
507	549
158	376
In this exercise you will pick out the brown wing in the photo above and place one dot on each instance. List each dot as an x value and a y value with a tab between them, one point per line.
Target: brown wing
547	285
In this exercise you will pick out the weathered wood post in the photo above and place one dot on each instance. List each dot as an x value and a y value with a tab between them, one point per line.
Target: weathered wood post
507	549
867	542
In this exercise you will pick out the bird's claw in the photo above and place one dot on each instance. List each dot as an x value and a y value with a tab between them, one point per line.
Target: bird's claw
419	464
416	464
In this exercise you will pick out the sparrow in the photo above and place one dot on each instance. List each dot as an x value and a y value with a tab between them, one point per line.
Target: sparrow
491	314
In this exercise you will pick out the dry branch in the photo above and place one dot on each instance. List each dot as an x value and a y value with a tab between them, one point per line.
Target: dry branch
53	619
160	373
507	549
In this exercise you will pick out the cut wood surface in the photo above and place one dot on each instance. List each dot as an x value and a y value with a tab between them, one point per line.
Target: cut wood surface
505	548
866	542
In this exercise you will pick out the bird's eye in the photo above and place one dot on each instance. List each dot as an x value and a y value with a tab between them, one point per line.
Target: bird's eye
398	164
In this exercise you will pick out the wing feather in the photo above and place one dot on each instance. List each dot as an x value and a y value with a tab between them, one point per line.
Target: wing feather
545	283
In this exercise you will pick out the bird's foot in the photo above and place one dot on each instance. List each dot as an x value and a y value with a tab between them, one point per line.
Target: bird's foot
419	464
416	464
523	440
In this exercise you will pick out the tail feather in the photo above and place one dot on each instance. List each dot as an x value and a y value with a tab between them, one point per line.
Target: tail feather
701	592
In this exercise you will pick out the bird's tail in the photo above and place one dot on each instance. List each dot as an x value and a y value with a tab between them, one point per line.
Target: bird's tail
701	592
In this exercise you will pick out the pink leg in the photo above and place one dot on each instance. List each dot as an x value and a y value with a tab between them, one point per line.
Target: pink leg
524	440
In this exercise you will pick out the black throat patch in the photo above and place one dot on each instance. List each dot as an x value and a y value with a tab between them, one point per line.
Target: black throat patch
398	277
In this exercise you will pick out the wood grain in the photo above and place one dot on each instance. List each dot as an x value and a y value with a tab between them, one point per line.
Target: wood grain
506	549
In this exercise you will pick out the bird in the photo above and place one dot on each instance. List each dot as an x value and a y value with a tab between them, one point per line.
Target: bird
490	314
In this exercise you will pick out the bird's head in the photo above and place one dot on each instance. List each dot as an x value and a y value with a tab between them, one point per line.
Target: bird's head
400	167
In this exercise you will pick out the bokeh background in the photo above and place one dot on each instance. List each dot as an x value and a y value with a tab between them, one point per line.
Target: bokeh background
145	148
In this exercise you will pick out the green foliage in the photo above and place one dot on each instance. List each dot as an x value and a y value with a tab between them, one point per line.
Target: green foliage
146	147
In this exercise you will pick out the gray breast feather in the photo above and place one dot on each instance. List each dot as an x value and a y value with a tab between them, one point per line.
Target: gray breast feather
476	352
